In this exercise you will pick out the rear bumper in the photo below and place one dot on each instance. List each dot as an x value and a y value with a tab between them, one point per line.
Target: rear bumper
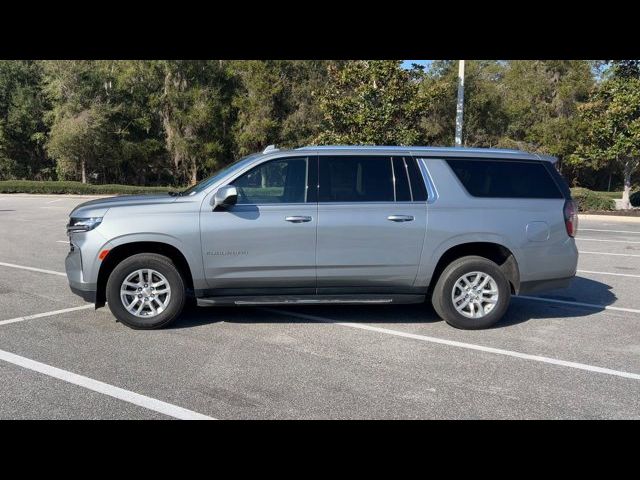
542	285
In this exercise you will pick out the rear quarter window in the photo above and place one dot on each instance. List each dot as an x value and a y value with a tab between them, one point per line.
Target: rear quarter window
505	178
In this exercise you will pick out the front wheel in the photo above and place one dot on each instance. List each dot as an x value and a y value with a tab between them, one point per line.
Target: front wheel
146	291
472	293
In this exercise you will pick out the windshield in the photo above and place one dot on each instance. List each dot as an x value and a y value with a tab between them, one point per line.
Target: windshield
202	185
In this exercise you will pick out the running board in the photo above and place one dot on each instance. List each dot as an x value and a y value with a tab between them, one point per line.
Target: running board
311	300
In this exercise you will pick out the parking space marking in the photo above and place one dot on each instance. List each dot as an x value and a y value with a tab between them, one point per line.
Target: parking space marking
612	231
606	253
469	346
601	240
609	273
45	314
40	270
67	241
104	388
579	304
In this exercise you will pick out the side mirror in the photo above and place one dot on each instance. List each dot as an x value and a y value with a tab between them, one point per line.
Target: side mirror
225	197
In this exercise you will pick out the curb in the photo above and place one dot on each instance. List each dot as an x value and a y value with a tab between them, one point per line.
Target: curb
610	218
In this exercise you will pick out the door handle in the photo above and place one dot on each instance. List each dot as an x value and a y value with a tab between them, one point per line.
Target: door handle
400	218
298	219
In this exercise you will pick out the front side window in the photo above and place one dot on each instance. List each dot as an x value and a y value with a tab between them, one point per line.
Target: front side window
356	179
277	181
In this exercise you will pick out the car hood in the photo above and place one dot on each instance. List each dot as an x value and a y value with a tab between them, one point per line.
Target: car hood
98	207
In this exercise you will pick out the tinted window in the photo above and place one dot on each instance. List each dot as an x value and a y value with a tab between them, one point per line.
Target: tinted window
505	179
418	188
356	179
278	181
400	175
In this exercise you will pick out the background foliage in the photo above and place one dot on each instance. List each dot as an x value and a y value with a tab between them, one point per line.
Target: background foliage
161	122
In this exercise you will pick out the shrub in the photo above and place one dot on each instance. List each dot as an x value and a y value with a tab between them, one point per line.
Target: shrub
588	200
29	186
634	198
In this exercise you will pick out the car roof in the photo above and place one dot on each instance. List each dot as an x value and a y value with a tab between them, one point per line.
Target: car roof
456	152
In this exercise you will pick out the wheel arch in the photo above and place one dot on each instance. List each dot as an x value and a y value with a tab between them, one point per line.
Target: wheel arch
495	252
125	250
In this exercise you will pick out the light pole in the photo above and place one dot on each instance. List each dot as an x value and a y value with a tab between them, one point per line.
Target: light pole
460	106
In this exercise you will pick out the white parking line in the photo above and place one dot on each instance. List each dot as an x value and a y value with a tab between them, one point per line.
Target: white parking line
609	273
470	346
67	241
104	388
605	253
579	304
40	270
612	231
56	201
597	240
45	314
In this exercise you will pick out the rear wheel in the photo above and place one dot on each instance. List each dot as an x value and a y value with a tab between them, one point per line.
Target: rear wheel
472	293
146	291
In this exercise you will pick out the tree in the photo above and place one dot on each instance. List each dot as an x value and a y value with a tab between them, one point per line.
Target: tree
612	127
80	141
22	129
370	102
195	115
541	99
82	135
275	104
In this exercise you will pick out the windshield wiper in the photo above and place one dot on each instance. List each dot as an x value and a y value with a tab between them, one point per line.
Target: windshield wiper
175	194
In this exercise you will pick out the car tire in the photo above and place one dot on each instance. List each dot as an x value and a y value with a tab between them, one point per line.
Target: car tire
463	272
163	272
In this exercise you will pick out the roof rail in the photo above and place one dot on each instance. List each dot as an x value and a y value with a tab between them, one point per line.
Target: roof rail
270	148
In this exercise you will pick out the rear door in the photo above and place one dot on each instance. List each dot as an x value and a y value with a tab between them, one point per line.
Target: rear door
371	223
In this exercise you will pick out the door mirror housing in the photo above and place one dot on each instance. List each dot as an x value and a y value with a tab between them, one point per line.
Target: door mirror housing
225	197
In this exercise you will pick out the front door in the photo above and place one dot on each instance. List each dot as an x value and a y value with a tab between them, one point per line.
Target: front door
266	243
372	217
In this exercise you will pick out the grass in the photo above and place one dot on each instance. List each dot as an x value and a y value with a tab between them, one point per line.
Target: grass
30	186
613	195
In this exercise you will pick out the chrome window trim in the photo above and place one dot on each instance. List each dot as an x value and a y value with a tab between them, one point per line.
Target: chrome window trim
406	172
432	193
393	180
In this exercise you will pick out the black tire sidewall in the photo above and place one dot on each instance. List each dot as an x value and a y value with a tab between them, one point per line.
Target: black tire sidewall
141	261
443	304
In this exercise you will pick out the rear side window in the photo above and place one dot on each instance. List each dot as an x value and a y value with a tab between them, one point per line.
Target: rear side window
418	189
505	179
401	180
356	179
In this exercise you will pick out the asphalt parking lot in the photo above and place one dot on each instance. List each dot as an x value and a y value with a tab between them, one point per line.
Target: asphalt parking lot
572	353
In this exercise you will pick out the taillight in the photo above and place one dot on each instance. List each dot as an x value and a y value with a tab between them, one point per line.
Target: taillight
571	217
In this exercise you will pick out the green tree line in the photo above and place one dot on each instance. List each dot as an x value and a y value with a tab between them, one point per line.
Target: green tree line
173	122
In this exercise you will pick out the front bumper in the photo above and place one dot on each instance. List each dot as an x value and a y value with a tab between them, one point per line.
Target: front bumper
73	267
87	295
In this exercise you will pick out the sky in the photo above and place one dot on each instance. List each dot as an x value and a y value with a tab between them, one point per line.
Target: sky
407	63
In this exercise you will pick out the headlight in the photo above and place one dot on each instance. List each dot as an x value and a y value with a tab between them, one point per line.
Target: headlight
83	224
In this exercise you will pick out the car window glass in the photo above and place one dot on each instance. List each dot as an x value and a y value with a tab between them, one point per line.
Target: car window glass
505	178
277	181
401	180
356	179
418	188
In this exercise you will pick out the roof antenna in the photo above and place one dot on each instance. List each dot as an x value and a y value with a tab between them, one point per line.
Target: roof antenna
270	148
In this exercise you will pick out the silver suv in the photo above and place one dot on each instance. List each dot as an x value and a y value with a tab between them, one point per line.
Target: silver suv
464	228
